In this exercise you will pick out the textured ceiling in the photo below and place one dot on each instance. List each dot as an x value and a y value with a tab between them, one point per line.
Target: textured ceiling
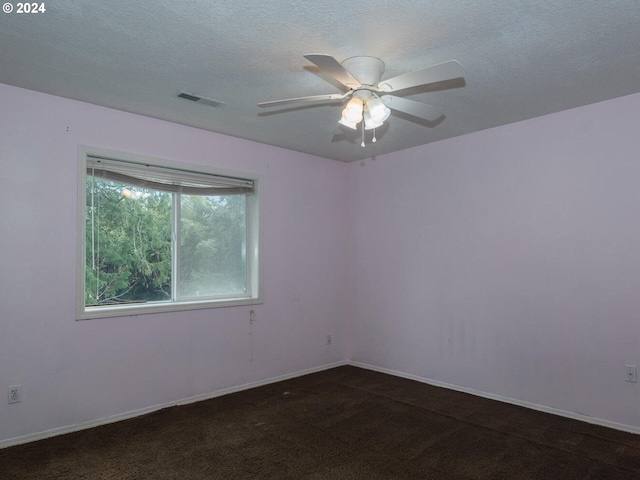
522	60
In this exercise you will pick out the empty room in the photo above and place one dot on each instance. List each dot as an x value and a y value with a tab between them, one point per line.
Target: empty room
309	240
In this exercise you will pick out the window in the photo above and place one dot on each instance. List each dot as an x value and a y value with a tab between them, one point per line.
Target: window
157	236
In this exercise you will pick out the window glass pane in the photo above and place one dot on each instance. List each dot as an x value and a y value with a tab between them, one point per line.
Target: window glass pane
128	243
213	245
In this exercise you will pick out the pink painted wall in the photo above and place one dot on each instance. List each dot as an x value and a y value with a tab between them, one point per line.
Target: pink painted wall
73	372
507	261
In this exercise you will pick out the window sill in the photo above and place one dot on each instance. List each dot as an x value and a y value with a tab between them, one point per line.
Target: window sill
128	310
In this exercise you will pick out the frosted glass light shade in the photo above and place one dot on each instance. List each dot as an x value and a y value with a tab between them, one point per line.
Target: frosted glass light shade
352	113
369	123
378	111
347	123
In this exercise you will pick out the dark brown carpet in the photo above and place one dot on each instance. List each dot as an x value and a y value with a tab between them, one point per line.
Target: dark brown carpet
344	423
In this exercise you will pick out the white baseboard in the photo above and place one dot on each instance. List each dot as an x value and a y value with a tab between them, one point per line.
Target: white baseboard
218	393
491	396
32	437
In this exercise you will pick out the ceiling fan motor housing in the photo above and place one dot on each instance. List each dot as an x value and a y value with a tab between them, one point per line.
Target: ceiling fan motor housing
368	70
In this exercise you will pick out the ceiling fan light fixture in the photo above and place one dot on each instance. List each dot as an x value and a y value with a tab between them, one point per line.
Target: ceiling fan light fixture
352	113
377	109
347	123
370	123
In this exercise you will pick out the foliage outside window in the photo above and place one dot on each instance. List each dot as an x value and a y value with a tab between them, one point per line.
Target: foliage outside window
158	238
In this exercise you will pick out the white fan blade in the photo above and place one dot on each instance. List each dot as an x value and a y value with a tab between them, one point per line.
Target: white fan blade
333	68
437	73
312	98
413	108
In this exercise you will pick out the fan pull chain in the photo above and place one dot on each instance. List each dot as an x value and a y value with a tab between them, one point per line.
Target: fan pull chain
374	140
362	144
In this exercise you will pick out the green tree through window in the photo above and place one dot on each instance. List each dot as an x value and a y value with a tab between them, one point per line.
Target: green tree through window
128	238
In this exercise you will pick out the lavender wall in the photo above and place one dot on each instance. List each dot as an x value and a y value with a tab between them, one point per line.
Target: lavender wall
507	261
504	262
73	372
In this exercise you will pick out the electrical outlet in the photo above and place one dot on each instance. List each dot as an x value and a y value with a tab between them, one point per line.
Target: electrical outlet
328	339
15	394
631	373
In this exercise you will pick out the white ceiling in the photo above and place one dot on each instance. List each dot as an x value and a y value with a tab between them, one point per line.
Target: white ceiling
523	59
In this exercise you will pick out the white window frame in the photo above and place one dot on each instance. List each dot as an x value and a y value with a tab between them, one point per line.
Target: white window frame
254	270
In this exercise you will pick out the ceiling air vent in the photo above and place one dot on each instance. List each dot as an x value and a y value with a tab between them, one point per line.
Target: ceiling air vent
195	98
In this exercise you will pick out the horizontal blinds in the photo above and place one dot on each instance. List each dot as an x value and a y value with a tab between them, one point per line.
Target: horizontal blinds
166	179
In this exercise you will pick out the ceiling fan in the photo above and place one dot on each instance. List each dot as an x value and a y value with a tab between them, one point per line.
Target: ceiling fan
370	102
